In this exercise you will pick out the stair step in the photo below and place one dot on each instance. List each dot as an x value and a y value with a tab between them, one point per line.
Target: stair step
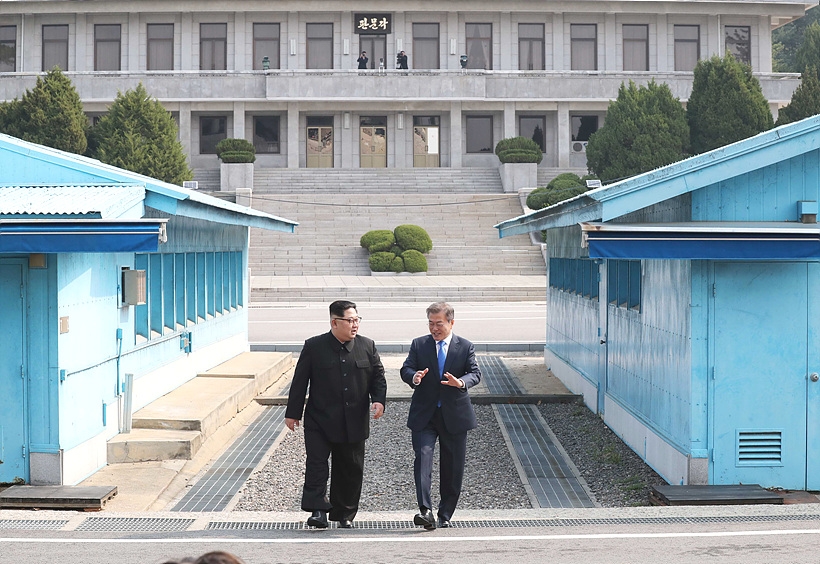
143	445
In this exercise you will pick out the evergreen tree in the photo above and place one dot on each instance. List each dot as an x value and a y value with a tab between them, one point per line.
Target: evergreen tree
786	40
645	129
805	101
726	104
50	114
138	134
808	54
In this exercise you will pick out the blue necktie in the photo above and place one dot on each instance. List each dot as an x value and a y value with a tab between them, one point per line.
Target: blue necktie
441	356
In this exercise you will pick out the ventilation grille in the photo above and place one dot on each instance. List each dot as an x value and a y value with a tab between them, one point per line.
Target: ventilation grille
759	448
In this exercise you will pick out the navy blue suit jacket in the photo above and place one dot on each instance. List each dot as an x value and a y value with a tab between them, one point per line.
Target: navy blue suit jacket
456	407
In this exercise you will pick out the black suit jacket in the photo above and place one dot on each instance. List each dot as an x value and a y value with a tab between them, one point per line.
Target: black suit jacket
344	380
456	407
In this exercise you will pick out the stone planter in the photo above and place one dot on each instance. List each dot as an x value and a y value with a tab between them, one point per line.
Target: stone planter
515	176
235	176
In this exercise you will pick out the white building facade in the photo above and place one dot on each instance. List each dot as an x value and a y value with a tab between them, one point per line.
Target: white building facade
284	74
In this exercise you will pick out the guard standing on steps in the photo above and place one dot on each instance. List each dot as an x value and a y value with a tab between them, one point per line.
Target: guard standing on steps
346	377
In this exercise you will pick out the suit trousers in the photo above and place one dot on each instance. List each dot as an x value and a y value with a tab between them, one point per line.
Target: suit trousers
453	454
346	472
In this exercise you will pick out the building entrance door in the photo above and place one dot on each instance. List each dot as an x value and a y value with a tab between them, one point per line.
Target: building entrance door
764	395
426	142
373	142
376	47
319	150
13	467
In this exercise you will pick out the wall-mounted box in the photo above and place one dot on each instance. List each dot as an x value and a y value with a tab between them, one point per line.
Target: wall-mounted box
133	287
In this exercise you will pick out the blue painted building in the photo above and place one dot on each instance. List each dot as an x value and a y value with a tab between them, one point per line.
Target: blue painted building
684	304
75	317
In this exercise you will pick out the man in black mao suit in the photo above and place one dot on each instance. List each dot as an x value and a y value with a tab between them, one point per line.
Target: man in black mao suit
440	409
345	375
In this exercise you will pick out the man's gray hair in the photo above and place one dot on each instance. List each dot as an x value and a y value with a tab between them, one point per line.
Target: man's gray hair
438	307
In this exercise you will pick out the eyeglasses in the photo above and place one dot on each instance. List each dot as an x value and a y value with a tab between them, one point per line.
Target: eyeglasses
351	320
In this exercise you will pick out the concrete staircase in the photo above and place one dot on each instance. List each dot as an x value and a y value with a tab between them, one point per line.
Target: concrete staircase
175	425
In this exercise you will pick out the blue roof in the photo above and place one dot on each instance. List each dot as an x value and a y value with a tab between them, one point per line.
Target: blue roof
638	192
25	163
88	201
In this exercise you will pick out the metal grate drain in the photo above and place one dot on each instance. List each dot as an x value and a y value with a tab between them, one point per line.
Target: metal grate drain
514	523
135	524
496	376
32	524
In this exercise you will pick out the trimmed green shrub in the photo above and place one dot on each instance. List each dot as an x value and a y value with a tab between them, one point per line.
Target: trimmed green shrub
235	151
545	197
396	250
518	150
397	264
414	261
565	179
378	240
381	261
413	237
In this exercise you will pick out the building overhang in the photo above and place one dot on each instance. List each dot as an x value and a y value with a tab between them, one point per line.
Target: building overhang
80	235
702	241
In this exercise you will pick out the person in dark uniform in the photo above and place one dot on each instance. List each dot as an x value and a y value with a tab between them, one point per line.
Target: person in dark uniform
401	60
346	377
362	60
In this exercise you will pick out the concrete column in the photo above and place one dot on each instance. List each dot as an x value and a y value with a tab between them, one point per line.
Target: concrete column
293	135
292	36
764	49
509	120
558	42
564	134
133	61
241	53
239	120
345	141
186	54
402	41
456	128
81	61
185	128
404	120
452	32
610	56
662	63
714	38
503	42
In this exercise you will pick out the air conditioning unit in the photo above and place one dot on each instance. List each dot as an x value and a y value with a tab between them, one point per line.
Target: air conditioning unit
192	184
579	146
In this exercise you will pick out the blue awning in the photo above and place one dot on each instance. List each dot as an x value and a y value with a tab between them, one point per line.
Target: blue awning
703	240
86	236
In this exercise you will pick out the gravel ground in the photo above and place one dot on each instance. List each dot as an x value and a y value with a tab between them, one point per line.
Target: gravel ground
614	474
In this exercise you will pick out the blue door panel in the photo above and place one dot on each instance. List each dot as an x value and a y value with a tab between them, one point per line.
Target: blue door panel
760	374
13	465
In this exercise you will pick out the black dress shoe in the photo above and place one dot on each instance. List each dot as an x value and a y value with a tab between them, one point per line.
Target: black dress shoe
425	519
318	519
345	524
443	523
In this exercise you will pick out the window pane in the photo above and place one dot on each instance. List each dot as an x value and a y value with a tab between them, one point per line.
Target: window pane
212	130
636	47
634	284
8	48
583	127
479	134
213	46
738	42
266	134
107	47
530	46
479	46
55	47
160	46
584	46
265	44
533	127
320	45
687	47
425	46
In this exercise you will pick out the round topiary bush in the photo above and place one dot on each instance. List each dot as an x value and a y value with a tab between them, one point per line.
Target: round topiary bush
414	261
236	151
396	250
378	240
544	197
564	179
518	150
381	261
397	264
413	237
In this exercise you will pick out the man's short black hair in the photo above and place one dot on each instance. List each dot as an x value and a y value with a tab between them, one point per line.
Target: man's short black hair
339	307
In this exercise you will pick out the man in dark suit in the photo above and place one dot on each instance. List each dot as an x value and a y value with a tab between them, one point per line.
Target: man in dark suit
440	367
345	375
